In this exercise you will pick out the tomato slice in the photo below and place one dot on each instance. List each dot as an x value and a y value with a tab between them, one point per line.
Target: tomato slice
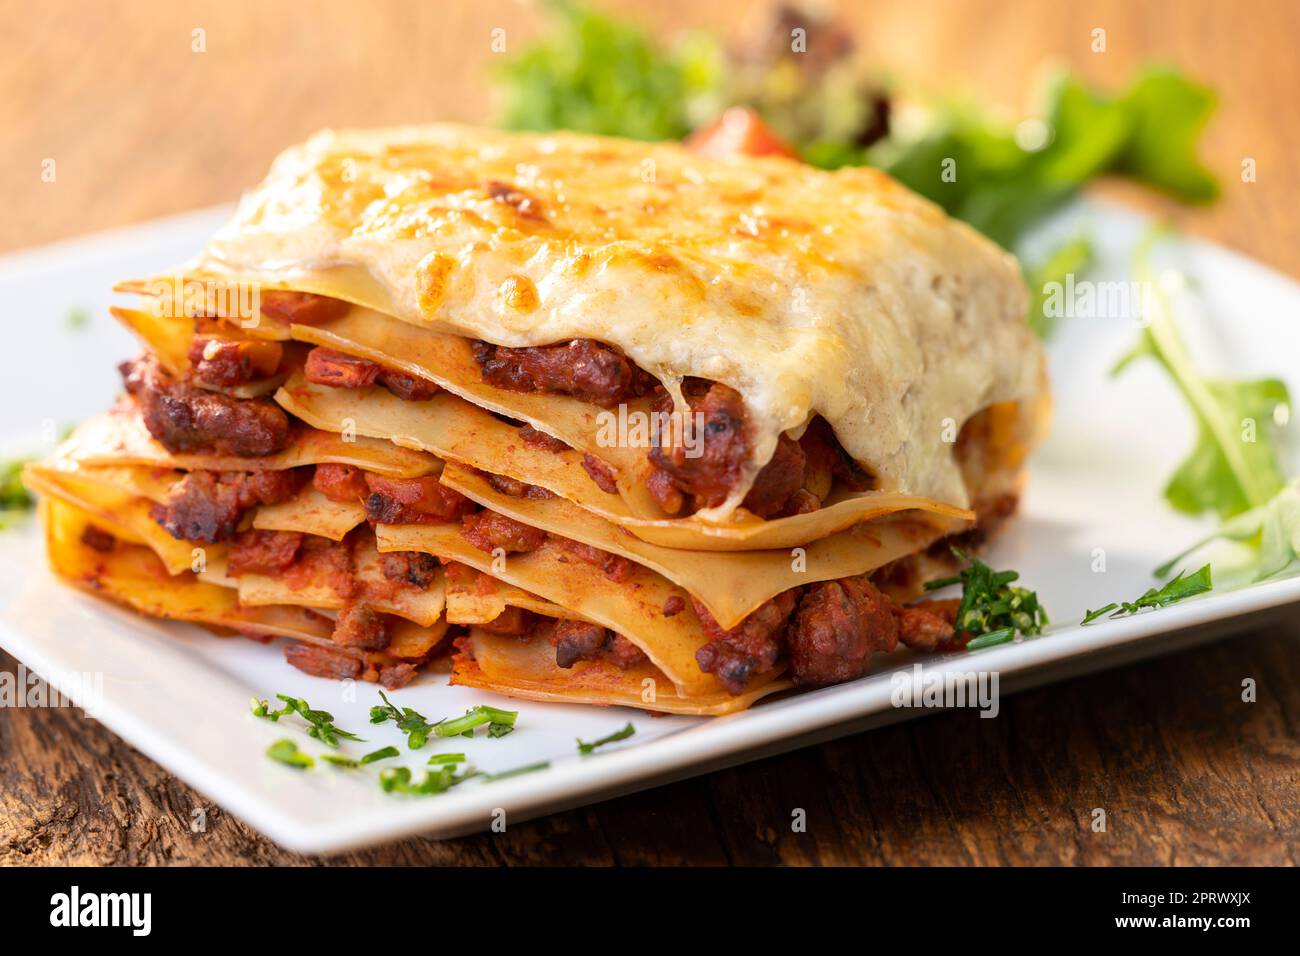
738	132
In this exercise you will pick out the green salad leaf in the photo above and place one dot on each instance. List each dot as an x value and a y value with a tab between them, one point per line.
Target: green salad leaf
1234	465
1071	257
1275	525
1003	186
596	74
15	499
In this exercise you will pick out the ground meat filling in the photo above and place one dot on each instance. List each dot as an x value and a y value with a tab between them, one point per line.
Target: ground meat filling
97	539
224	363
516	488
361	627
928	625
325	366
827	632
690	471
262	552
751	647
322	661
614	567
836	629
720	442
207	506
535	439
396	676
585	369
488	531
576	641
413	500
186	418
341	483
705	464
410	568
303	308
600	473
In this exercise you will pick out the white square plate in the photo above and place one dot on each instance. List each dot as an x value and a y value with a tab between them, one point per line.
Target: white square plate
181	696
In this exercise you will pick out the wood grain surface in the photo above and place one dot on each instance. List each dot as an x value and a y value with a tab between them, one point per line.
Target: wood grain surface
141	126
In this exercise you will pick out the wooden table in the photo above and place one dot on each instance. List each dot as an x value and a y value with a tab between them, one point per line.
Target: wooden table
140	126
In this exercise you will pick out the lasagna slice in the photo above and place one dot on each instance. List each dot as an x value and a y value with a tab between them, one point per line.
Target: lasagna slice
575	418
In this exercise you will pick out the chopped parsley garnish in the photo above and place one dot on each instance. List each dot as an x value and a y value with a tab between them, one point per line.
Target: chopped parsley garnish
438	780
339	760
1182	586
77	319
287	753
383	753
626	732
410	722
500	722
517	771
992	611
321	722
446	758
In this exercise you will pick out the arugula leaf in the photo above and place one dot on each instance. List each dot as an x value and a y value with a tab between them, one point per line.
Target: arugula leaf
410	722
1276	524
1182	586
321	722
1225	472
1071	257
992	611
287	753
626	732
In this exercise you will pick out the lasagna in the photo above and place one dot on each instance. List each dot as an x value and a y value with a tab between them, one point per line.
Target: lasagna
567	417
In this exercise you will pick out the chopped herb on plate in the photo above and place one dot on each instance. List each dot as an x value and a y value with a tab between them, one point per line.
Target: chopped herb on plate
321	722
410	722
1182	586
500	722
287	753
517	771
992	610
626	732
439	780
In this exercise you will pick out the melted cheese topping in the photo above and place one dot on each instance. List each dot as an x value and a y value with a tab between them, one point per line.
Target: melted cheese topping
809	292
